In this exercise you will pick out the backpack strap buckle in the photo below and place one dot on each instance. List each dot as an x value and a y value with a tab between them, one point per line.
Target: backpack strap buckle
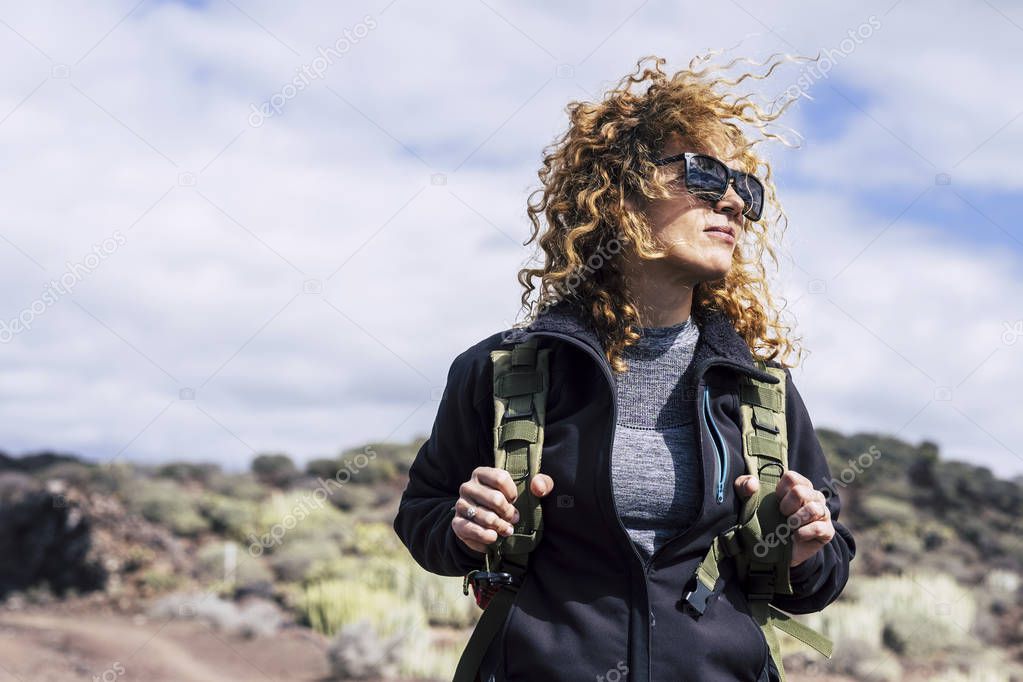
485	584
707	573
696	598
520	386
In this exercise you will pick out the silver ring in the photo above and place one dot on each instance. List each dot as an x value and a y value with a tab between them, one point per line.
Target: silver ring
470	512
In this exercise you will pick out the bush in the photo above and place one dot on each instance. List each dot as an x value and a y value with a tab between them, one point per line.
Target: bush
114	478
232	517
238	486
375	630
915	616
329	605
167	504
77	474
184	472
358	652
375	539
322	468
274	469
355	468
161	580
251	618
440	597
288	517
879	508
352	497
294	561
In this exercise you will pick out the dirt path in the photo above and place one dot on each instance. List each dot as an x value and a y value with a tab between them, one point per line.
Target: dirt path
41	647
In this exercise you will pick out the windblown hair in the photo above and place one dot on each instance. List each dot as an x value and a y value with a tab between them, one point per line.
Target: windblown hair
606	156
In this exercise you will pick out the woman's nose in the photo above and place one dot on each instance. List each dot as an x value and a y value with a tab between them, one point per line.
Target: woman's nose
730	202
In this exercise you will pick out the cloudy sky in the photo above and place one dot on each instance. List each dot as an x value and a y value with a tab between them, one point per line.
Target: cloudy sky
189	274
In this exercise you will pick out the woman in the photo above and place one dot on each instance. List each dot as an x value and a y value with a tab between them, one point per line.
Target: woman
653	299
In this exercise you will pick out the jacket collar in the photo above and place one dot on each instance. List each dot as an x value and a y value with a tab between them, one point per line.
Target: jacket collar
718	341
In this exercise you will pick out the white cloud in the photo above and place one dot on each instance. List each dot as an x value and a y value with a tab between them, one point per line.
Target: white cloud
209	282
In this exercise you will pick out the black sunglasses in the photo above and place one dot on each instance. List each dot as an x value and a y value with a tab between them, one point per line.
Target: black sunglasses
708	178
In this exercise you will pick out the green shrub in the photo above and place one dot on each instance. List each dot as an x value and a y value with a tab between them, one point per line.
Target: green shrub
915	616
367	465
329	605
375	539
167	504
440	597
321	468
878	508
354	468
352	497
77	474
235	518
293	561
238	486
287	517
161	580
274	469
114	478
935	534
183	472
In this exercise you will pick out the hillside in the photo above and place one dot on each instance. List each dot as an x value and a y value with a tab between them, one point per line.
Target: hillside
303	560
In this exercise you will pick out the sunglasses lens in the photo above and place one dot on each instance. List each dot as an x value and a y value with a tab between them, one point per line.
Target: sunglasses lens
751	192
706	174
707	178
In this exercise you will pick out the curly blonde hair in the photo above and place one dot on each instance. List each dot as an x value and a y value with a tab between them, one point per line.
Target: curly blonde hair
605	157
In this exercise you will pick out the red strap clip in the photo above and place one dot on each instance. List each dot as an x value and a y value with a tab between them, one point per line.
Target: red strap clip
486	584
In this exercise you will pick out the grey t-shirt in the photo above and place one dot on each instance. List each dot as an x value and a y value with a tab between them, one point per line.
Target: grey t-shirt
654	468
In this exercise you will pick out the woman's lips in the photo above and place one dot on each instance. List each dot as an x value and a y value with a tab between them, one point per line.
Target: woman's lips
721	233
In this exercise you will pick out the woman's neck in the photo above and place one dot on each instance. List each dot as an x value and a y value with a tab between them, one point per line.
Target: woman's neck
661	296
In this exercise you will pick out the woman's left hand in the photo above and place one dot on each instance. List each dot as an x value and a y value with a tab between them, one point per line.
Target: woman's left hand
809	516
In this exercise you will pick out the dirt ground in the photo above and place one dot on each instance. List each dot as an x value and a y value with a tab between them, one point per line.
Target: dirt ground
53	645
39	646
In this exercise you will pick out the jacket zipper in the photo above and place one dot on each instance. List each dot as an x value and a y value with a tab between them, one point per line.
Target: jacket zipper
614	419
720	447
700	417
644	674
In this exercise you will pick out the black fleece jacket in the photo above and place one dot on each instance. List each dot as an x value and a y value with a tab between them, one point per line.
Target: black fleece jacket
589	607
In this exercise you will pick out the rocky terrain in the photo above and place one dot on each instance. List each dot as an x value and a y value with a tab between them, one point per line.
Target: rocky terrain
113	571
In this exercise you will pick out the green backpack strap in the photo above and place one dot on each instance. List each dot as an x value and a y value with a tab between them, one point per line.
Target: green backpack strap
762	554
521	382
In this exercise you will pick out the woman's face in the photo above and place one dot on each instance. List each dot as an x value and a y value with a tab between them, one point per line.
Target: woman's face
692	230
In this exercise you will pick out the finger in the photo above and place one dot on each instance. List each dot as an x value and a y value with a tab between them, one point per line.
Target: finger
483	516
541	485
499	479
811	512
789	480
480	494
796	497
468	531
746	485
474	546
820	532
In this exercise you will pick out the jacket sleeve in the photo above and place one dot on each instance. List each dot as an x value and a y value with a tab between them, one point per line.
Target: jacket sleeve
819	580
456	446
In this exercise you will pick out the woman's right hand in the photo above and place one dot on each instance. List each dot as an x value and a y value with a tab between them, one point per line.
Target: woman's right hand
492	492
